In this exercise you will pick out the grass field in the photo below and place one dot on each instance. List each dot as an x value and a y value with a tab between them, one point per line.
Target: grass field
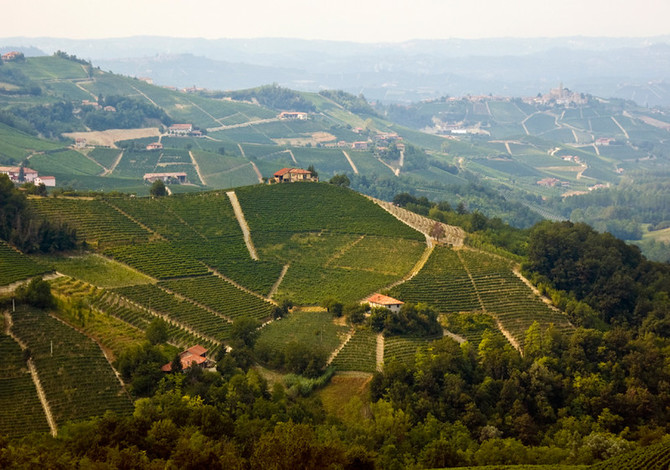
97	270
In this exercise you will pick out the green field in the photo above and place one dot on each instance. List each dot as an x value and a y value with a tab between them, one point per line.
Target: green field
97	270
15	266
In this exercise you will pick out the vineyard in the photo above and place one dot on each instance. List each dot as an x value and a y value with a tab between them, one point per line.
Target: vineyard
507	298
182	312
654	457
113	322
161	260
443	283
404	348
359	353
95	221
221	296
470	325
15	266
77	379
380	254
20	409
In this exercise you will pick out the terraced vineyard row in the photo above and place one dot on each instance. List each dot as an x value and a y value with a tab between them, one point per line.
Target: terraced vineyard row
77	379
507	298
128	315
381	254
221	296
95	221
15	266
359	354
209	214
404	348
443	283
654	457
182	311
20	409
272	208
155	215
162	260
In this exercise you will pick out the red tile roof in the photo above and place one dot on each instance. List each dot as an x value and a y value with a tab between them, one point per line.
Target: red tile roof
197	350
383	300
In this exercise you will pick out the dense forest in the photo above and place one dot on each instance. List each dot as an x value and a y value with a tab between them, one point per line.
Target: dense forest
26	231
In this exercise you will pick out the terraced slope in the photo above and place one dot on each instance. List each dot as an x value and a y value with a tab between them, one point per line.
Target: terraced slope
20	409
15	266
77	379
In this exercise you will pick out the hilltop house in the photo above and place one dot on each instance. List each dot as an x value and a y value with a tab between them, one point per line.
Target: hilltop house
13	55
155	146
48	181
291	175
176	177
180	129
384	301
194	355
293	115
13	172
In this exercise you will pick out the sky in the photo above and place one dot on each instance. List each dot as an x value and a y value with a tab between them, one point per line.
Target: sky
343	20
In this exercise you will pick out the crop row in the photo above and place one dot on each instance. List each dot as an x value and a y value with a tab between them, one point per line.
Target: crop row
359	354
209	214
404	348
308	284
221	296
272	208
15	266
94	220
77	379
161	260
654	457
382	254
442	283
200	320
155	215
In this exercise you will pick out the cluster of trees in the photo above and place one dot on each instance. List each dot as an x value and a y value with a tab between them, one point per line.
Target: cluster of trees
484	231
25	230
276	97
412	319
355	104
611	277
49	120
24	86
130	113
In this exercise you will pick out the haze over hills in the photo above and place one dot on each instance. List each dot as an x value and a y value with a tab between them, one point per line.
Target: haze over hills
629	68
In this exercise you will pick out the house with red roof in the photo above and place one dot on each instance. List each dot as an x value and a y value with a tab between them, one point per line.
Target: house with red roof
180	129
195	355
384	301
291	175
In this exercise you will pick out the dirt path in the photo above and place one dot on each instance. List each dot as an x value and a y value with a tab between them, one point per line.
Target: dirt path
380	352
401	163
243	124
240	286
340	347
351	162
450	234
111	169
258	173
395	171
290	152
243	224
143	94
197	167
509	149
458	338
417	267
620	127
277	283
33	374
155	234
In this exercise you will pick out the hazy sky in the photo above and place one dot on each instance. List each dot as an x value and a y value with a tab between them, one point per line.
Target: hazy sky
350	20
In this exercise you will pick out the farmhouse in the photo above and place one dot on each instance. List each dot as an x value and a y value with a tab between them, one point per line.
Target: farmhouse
384	301
13	55
177	177
293	115
360	145
194	355
180	129
48	181
291	175
155	146
14	172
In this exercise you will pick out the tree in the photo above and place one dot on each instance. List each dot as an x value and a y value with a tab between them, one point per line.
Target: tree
158	189
37	293
157	331
313	171
340	180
